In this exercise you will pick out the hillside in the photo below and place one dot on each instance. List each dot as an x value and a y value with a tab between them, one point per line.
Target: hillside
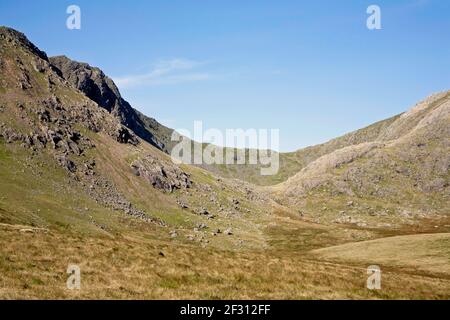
401	175
292	162
48	125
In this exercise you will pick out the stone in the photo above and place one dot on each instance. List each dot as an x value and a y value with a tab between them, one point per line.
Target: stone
123	135
173	234
203	211
66	163
163	176
26	230
182	204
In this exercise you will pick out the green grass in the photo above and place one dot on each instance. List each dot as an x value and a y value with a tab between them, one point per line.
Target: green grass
38	192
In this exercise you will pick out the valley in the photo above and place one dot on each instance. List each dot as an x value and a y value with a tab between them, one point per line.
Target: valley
85	179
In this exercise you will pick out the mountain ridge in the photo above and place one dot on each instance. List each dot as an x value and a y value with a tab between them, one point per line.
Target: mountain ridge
100	88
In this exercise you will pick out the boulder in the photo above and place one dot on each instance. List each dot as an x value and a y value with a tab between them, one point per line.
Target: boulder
66	163
162	176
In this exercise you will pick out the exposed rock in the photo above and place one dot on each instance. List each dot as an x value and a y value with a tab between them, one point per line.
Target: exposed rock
163	176
123	135
438	184
135	171
173	234
202	226
182	204
43	115
66	163
106	193
18	39
10	135
235	203
27	231
203	211
101	89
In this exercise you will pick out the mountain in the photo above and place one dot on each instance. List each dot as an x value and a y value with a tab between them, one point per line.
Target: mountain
400	169
293	162
47	121
86	180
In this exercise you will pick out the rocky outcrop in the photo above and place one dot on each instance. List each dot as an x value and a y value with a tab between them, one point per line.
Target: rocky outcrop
123	135
163	176
101	89
17	39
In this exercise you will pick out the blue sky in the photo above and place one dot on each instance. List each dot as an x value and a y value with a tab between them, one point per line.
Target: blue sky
310	68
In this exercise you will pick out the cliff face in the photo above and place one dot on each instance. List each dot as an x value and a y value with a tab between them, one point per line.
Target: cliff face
101	89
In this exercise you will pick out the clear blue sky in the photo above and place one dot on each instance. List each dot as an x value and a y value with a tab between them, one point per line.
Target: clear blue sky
310	68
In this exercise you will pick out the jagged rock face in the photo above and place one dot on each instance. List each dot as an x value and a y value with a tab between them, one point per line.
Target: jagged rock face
93	83
163	176
101	89
18	39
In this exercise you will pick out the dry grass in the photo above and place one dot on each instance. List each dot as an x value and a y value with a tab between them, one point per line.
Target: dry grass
429	253
33	265
124	262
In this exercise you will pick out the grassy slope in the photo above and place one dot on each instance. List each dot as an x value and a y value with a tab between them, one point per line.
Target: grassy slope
35	192
130	265
428	253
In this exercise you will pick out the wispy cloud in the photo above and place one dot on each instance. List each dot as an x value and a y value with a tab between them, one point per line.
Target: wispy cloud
166	72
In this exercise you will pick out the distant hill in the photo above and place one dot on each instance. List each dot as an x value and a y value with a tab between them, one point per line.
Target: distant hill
400	167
